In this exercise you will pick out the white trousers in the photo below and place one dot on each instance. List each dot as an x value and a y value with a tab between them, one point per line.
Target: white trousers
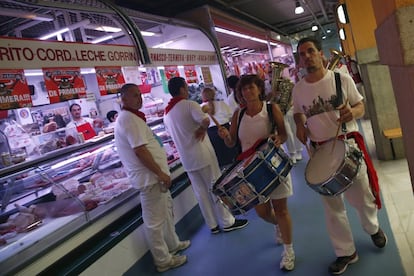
157	213
214	213
293	144
359	195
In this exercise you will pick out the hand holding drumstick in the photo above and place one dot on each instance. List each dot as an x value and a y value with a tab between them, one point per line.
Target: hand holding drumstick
345	115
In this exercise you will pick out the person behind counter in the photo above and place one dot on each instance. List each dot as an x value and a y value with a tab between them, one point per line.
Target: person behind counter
147	168
112	116
77	119
187	125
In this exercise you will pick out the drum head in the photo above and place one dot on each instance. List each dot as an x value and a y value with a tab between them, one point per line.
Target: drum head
325	162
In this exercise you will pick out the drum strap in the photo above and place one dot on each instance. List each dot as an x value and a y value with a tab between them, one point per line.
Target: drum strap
339	95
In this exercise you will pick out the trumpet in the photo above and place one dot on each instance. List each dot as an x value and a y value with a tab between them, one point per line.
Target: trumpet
336	56
281	86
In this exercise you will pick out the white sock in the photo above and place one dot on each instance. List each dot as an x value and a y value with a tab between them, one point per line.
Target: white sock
288	247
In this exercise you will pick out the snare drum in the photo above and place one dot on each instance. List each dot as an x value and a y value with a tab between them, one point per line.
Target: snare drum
331	171
249	182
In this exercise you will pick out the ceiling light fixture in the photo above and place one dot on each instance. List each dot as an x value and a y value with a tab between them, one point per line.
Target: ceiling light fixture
314	28
228	32
27	15
342	34
164	44
342	14
107	37
107	29
64	30
299	9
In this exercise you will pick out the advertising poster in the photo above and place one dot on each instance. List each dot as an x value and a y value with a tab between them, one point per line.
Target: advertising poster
14	91
63	84
144	87
171	71
110	79
205	71
190	74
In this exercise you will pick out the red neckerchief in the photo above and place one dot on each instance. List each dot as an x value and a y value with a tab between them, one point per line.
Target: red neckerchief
136	112
172	103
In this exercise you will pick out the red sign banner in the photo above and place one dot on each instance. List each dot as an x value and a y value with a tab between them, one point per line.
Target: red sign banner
14	91
110	79
190	74
63	84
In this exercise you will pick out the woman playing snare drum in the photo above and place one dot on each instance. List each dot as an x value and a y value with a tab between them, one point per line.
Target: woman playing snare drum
255	125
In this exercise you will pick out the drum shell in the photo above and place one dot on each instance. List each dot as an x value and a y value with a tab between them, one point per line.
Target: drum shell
251	185
342	178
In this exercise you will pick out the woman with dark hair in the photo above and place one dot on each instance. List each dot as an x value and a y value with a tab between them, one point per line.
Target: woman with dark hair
253	125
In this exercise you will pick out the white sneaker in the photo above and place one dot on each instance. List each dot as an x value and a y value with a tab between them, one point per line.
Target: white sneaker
278	235
182	245
288	260
176	261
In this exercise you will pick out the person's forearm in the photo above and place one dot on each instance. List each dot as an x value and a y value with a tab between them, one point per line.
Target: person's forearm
146	158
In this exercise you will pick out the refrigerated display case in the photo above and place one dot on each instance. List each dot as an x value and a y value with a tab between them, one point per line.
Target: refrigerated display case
52	205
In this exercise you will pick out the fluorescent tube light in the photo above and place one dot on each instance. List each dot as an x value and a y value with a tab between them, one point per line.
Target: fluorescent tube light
66	29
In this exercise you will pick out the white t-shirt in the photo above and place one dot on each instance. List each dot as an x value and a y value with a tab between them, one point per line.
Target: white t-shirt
254	128
315	100
182	121
231	102
131	132
222	113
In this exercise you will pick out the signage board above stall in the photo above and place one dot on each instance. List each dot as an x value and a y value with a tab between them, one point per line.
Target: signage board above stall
16	53
165	57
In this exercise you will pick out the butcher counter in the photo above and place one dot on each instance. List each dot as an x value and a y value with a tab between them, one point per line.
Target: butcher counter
74	201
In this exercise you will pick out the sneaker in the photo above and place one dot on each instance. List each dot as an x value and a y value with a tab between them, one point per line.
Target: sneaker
182	245
278	235
341	263
176	261
238	224
215	230
288	260
379	239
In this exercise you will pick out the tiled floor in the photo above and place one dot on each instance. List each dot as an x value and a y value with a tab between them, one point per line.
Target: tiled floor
398	199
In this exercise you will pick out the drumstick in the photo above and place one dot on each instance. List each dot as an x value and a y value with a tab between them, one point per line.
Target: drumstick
308	150
337	130
215	121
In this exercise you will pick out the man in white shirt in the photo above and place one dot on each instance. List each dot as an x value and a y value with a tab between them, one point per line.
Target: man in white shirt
148	171
187	124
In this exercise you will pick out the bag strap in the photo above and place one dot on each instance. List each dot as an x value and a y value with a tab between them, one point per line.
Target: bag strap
270	114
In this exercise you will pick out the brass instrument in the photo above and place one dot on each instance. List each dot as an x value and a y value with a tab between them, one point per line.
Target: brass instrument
336	56
282	87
